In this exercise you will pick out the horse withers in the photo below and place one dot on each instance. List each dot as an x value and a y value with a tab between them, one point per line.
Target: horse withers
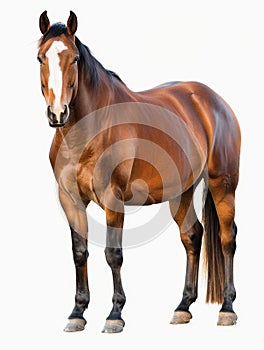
117	147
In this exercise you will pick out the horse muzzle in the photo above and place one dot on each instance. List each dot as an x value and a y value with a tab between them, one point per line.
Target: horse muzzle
57	120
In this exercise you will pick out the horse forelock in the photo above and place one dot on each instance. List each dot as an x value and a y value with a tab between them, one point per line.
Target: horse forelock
55	30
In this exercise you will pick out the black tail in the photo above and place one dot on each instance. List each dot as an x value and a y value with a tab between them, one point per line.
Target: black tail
213	256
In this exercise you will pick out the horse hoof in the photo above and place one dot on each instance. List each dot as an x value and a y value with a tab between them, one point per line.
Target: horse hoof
181	317
227	318
75	325
113	326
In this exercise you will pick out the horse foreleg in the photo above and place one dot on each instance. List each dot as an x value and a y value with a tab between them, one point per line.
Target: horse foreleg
191	232
114	257
77	219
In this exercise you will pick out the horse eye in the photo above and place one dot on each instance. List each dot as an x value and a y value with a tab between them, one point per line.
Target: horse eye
40	60
76	59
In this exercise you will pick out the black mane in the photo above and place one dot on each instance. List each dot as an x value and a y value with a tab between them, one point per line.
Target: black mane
90	64
87	61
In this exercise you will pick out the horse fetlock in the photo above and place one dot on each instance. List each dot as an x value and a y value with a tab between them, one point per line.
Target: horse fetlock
119	299
82	298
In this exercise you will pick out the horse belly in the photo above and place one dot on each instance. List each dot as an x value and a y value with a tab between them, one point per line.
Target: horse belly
150	184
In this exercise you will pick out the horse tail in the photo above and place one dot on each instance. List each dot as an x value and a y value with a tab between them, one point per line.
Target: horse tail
213	255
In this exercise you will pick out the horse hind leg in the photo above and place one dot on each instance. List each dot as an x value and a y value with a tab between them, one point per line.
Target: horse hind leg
220	247
191	232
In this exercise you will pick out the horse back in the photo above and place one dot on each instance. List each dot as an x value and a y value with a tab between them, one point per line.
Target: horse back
208	115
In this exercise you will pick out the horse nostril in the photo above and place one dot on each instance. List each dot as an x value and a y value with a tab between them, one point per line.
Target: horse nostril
51	116
65	112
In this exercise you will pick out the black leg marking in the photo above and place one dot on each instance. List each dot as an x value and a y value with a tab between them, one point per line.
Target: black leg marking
80	255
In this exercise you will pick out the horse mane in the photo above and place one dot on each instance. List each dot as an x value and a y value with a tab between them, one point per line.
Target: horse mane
87	62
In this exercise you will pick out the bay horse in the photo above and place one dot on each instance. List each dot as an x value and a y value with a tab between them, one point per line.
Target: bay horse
117	147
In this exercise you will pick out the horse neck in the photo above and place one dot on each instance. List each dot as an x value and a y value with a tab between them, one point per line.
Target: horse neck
93	95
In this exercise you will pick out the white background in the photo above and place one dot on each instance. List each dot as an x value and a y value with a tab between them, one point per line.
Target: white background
219	43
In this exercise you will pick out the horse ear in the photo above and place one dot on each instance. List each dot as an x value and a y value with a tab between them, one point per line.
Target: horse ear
44	23
72	23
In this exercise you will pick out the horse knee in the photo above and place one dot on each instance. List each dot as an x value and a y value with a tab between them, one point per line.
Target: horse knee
79	248
114	257
80	257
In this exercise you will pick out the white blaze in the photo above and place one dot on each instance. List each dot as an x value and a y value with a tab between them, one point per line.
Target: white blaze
55	77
